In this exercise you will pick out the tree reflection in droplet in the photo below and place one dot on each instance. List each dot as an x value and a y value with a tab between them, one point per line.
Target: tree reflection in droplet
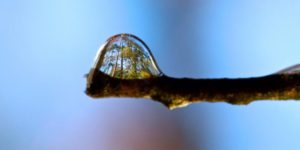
125	56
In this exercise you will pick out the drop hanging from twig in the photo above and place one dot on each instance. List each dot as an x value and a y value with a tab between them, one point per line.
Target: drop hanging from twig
125	67
125	56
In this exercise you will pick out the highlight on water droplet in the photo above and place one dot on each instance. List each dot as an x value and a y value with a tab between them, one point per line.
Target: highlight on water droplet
295	69
125	56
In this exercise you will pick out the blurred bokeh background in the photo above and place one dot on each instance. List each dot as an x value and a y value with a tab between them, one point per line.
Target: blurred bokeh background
46	47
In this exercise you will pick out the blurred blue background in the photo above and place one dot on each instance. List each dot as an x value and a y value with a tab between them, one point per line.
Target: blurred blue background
46	47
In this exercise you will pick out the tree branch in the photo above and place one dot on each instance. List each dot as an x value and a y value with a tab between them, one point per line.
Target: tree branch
178	92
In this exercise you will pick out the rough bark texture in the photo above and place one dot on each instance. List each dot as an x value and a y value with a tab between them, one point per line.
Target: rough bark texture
178	92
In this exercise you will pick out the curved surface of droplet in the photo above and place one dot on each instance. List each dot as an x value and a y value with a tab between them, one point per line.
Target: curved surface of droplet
290	70
125	56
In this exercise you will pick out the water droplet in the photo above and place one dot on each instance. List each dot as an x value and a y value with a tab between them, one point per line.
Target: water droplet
126	56
290	70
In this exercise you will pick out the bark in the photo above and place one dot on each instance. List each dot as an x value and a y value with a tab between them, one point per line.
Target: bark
178	92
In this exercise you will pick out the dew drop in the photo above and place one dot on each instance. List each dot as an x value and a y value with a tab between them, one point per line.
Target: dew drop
125	56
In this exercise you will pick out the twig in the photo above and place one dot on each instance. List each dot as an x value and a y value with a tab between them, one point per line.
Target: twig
178	92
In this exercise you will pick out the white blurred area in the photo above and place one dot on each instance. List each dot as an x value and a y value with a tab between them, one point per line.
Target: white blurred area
46	47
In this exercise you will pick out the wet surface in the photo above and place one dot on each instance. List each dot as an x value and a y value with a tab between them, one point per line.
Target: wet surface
126	56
